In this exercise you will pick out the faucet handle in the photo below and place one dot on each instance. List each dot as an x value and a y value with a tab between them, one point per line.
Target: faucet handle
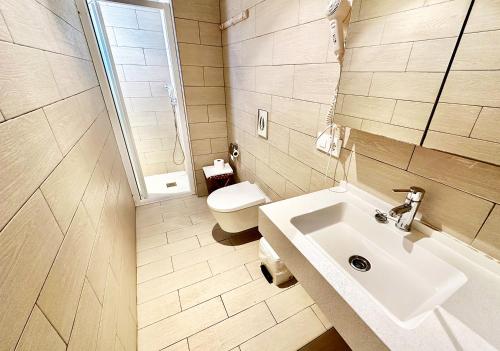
415	193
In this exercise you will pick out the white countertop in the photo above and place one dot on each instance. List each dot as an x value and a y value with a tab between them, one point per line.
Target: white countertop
468	320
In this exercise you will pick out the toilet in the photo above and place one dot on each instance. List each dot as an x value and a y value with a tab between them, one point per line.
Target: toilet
236	207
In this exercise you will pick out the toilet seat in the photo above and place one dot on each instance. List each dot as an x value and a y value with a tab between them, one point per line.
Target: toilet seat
236	197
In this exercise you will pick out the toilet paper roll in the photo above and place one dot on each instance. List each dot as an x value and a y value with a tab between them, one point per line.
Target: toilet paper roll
219	163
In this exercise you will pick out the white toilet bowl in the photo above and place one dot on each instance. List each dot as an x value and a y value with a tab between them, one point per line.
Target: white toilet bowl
236	207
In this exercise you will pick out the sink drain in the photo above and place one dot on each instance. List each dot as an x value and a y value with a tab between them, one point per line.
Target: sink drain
360	263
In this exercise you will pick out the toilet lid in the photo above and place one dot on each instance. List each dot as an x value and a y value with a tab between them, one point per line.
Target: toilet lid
236	197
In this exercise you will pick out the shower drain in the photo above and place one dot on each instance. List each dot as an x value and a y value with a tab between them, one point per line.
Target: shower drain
360	263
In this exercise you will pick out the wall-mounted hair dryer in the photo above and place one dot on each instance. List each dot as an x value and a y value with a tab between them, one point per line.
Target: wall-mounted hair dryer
339	14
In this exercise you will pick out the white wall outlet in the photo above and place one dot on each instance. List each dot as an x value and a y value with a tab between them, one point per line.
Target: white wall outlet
324	144
262	123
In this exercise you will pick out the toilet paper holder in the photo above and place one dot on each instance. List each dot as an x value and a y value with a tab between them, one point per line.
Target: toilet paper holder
234	151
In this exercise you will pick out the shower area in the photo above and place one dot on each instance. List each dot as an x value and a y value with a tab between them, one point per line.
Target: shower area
138	49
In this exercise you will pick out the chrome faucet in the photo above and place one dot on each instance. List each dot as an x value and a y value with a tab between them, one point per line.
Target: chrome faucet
405	213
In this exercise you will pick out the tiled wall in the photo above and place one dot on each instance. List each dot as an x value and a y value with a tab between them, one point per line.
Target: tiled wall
279	60
200	48
394	65
467	119
67	218
138	49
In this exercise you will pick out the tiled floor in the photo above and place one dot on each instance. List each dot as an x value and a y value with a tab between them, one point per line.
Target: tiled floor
200	288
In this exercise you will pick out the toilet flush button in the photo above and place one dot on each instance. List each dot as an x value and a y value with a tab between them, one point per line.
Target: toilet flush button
262	123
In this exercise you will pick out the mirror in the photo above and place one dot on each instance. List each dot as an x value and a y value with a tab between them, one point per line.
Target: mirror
467	117
396	59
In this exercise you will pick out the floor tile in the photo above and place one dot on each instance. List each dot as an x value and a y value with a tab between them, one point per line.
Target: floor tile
167	283
154	270
234	259
201	254
168	224
248	295
290	335
179	326
205	216
158	309
211	287
289	302
165	251
184	233
231	332
150	242
254	269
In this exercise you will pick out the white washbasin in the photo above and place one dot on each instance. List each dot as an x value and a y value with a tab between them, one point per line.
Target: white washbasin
407	280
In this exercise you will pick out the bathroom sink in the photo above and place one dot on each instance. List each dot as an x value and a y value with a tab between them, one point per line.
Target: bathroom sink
407	280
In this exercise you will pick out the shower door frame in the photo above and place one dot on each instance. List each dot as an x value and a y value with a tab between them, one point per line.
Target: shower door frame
171	48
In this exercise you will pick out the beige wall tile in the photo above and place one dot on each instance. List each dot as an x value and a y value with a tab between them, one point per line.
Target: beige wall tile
315	82
392	57
412	114
278	136
407	135
431	55
40	335
365	107
27	80
474	177
472	88
178	346
192	76
294	45
483	16
196	114
273	179
256	51
4	31
406	86
216	113
477	149
379	179
478	51
187	31
487	126
311	10
293	170
455	119
204	96
72	75
233	331
357	83
208	130
295	114
201	147
212	287
275	80
210	34
33	238
214	77
181	325
306	325
59	303
25	164
162	285
240	77
380	148
370	8
488	239
302	147
273	15
200	55
201	10
219	145
366	33
86	326
401	27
